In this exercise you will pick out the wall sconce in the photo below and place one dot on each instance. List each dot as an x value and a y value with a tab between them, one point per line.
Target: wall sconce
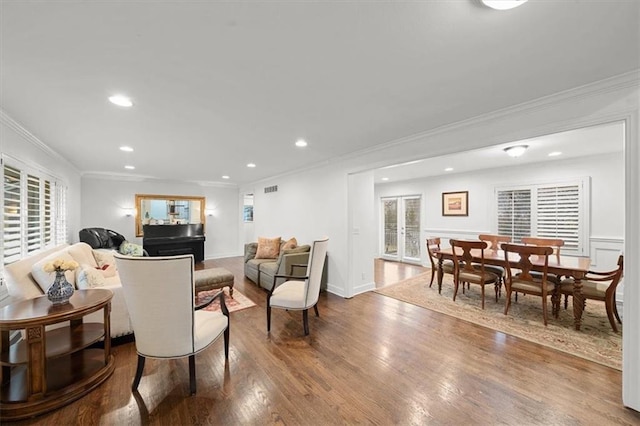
516	150
209	212
129	212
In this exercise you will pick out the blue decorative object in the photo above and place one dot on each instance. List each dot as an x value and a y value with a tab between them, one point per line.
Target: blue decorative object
61	290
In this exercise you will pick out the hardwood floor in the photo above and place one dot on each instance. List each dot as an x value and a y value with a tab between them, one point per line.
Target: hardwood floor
370	359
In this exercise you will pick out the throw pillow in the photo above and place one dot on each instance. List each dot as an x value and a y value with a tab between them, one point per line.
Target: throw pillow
131	249
268	248
89	277
106	262
290	244
45	279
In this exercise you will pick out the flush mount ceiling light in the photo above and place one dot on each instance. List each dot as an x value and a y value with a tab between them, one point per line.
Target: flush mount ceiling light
126	149
516	150
130	167
503	4
225	177
251	165
301	143
554	153
121	100
448	169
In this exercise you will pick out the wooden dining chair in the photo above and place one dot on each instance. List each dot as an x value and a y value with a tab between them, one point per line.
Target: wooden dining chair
556	244
433	246
599	286
495	241
521	278
472	272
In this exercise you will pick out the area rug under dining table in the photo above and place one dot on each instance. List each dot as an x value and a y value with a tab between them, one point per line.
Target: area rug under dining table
596	341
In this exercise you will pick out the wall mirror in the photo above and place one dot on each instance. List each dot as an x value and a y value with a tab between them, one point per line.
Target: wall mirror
168	210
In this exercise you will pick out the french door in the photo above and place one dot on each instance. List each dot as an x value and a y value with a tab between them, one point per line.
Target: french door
401	228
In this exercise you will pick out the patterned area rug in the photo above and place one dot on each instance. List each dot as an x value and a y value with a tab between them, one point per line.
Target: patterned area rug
596	341
236	303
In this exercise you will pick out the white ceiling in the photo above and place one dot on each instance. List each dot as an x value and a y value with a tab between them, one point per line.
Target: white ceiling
217	85
593	140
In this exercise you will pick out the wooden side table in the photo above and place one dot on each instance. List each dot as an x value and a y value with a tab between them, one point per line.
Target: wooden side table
52	367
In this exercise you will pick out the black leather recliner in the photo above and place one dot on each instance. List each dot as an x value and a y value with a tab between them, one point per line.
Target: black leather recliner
101	238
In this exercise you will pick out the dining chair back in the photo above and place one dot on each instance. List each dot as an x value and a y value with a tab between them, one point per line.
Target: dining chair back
433	246
494	240
522	279
555	243
599	286
467	269
160	296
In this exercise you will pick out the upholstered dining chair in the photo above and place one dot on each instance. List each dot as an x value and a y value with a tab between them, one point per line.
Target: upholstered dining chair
433	246
494	242
556	244
160	296
521	278
466	271
599	286
299	293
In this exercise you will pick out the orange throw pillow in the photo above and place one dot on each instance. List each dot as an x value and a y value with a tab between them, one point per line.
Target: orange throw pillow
290	244
268	248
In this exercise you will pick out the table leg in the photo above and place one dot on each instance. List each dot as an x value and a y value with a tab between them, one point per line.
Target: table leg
4	349
578	302
440	275
36	365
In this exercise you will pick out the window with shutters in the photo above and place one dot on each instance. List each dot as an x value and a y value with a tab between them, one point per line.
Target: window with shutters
550	210
34	211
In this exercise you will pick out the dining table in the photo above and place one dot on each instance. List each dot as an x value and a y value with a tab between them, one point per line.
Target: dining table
575	267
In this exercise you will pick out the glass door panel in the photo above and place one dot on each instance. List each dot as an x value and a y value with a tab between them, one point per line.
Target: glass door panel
390	227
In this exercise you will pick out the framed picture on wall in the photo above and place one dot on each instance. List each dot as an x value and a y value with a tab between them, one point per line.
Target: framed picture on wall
455	203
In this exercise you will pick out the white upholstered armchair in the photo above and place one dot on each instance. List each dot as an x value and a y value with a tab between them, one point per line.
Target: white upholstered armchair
300	293
160	296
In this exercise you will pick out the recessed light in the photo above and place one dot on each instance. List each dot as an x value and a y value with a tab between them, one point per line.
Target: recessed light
126	149
448	169
301	143
503	4
554	153
225	177
385	178
251	165
129	167
121	100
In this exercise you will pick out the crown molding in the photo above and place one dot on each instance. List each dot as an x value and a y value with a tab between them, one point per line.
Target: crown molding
21	131
146	178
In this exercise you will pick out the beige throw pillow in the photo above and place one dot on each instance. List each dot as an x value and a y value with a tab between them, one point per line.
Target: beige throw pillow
290	244
268	248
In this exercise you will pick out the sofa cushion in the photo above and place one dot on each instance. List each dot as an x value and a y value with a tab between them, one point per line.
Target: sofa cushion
106	262
268	248
83	254
45	279
89	277
290	244
269	268
131	249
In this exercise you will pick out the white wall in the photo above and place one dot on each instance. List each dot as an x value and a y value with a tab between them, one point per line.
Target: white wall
104	199
18	143
607	189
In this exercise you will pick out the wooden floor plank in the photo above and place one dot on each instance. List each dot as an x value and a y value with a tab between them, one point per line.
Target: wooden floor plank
369	359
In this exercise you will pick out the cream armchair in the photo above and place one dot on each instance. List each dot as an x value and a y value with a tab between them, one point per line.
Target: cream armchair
300	293
160	294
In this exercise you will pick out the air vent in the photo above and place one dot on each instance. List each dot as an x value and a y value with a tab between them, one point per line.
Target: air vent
269	189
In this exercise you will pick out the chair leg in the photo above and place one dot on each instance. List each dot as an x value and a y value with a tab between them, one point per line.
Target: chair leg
482	296
544	310
226	342
610	305
136	380
455	290
268	317
315	308
192	374
497	288
566	301
433	274
507	302
615	311
305	322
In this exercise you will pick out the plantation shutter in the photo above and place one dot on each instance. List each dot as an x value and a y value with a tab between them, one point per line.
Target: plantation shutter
34	228
47	214
514	213
558	214
11	215
61	213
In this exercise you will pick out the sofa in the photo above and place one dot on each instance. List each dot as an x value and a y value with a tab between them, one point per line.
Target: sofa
262	271
26	279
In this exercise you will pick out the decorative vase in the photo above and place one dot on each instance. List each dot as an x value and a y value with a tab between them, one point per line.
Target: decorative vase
61	290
